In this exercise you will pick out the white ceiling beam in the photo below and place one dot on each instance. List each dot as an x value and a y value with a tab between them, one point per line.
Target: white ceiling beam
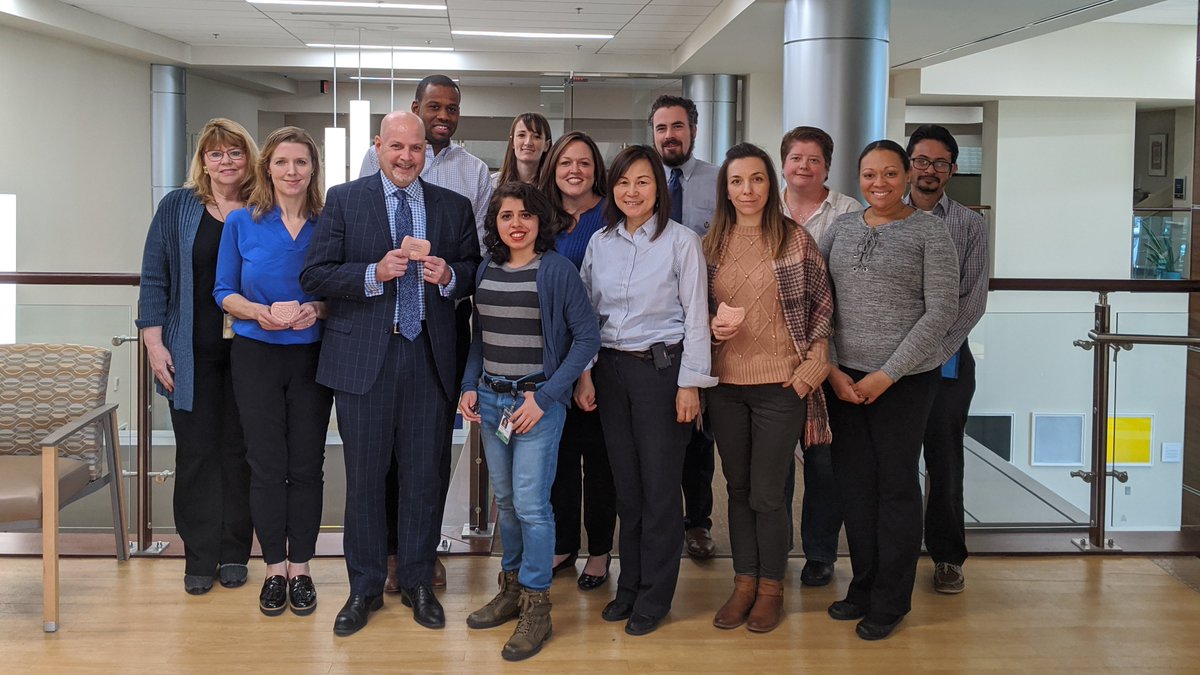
60	20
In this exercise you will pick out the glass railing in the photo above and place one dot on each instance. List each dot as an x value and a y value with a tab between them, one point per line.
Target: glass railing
1159	244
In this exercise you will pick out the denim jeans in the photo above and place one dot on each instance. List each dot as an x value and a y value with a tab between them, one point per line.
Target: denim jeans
522	472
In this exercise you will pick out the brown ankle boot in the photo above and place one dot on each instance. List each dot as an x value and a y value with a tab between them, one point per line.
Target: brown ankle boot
502	608
533	628
392	585
768	607
733	613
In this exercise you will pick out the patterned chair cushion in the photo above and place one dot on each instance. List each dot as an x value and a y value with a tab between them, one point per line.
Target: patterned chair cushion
43	387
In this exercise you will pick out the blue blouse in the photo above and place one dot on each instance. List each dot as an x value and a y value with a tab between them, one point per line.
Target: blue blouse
572	245
261	262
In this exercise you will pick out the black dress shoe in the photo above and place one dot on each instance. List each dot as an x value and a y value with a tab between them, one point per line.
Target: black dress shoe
617	610
232	575
844	610
353	615
568	564
302	595
589	582
427	611
274	596
876	630
640	624
816	573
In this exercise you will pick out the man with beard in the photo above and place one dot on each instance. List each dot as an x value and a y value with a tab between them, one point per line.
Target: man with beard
692	183
934	155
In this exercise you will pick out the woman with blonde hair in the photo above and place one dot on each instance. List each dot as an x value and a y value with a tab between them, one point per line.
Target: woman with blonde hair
182	330
285	413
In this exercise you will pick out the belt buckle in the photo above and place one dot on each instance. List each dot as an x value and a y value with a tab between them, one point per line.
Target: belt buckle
395	329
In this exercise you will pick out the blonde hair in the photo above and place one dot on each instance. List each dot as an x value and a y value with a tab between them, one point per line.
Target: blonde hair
218	133
262	199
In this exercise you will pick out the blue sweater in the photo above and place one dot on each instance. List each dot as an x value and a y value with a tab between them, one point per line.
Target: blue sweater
165	297
570	331
261	262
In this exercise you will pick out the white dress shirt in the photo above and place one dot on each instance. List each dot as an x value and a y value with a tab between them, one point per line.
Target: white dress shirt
835	204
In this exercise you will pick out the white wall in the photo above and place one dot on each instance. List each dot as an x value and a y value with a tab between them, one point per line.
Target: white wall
207	98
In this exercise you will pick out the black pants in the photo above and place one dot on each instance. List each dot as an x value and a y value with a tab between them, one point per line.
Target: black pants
821	507
212	478
582	442
285	415
462	335
756	428
876	455
945	534
698	469
645	447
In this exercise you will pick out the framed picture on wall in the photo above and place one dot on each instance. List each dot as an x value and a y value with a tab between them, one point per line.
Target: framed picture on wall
1157	159
1057	439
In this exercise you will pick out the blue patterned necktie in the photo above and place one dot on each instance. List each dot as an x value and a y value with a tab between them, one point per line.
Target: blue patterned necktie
675	186
408	287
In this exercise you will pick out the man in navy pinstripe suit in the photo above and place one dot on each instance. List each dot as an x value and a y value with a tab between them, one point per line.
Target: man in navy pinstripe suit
388	354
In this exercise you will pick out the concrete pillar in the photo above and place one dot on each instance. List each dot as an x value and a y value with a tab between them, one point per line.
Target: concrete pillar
715	97
168	129
835	76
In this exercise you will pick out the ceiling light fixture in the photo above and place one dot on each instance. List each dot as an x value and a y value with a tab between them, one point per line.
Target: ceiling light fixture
328	45
377	78
332	3
546	36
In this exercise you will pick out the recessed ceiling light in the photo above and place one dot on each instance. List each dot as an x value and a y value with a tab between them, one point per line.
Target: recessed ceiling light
333	3
547	36
385	48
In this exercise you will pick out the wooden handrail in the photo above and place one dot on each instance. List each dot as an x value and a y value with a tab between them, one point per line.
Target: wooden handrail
72	278
1097	285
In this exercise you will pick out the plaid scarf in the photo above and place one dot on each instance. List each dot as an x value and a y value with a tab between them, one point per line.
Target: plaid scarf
807	299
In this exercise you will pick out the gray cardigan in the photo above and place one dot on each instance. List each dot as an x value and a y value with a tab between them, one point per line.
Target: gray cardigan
165	297
895	292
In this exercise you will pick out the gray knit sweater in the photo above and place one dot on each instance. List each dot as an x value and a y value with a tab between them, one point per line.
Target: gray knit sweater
895	290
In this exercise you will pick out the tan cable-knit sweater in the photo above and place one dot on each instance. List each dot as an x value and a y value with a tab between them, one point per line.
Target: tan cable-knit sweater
762	351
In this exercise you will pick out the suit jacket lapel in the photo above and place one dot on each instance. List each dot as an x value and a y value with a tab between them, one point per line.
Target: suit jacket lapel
379	214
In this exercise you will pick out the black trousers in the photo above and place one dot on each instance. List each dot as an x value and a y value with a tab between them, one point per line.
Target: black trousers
756	428
820	507
285	415
399	417
876	454
462	335
945	533
212	478
645	448
582	447
698	469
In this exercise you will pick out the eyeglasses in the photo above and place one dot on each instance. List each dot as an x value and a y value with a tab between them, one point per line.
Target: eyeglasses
939	165
217	155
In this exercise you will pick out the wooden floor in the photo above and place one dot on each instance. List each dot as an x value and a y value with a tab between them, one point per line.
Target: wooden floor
1018	615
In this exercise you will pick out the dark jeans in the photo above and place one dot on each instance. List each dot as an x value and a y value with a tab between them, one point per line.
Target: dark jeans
756	428
583	443
821	507
285	415
645	447
876	452
212	478
698	469
945	534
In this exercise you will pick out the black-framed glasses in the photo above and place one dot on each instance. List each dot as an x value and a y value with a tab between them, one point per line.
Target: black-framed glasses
922	163
217	155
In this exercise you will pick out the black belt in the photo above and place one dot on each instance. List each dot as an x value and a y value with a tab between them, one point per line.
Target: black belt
646	354
501	385
396	328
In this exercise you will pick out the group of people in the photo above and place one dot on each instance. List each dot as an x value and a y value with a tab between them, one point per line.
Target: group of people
576	314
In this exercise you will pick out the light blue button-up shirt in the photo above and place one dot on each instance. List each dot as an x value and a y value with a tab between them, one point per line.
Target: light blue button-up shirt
646	292
416	204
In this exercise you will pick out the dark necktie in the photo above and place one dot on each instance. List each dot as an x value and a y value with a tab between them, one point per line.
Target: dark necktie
675	185
408	287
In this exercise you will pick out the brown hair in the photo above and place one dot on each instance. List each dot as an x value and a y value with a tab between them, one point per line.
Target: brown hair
547	182
263	197
533	122
217	133
775	226
810	135
662	202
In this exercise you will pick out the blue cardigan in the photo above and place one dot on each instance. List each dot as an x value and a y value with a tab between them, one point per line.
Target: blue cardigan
570	330
165	297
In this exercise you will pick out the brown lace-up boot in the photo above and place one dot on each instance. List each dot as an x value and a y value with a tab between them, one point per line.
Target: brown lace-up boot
533	628
502	608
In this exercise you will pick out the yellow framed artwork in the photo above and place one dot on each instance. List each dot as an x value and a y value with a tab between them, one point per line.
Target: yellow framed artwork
1129	439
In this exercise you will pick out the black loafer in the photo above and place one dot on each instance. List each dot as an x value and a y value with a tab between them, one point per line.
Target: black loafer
816	573
640	624
353	615
302	595
589	582
873	630
232	575
427	611
617	610
273	598
844	610
568	564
